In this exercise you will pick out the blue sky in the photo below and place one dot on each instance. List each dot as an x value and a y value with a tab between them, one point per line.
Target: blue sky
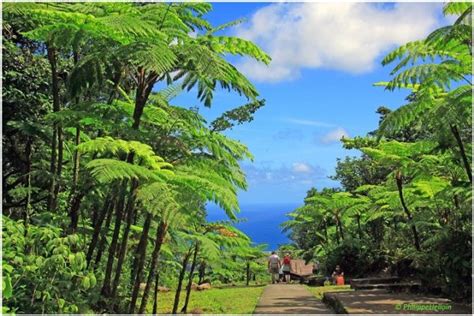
317	88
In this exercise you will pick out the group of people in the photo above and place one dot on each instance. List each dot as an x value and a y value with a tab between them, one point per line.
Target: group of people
277	267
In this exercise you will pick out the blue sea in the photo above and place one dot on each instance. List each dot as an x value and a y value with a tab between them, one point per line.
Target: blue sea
262	222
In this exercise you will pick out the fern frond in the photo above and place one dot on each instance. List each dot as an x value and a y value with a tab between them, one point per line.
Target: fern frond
110	170
456	8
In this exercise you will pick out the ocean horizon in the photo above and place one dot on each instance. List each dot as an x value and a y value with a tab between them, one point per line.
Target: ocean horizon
262	221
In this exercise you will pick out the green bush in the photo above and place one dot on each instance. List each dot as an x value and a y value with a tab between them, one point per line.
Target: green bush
43	271
448	266
355	258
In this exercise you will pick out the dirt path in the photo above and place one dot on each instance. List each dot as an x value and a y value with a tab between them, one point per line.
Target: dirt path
289	299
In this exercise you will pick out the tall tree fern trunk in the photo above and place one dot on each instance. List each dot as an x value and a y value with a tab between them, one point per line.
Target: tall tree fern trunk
202	271
74	211
129	211
28	152
144	87
359	229
97	227
52	58
139	261
339	225
399	181
190	279
180	281
106	287
467	165
160	236
155	296
247	273
59	167
103	235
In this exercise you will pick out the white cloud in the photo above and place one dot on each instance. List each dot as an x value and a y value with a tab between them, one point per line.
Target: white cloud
301	167
309	122
334	136
299	172
344	36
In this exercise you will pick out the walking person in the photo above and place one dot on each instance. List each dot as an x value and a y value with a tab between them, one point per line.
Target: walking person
287	267
274	266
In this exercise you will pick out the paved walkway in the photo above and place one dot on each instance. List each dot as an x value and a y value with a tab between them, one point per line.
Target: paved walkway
289	299
382	302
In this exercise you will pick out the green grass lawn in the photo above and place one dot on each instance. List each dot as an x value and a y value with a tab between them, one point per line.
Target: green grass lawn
318	291
232	300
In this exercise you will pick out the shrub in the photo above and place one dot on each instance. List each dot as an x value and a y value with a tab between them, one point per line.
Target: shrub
45	271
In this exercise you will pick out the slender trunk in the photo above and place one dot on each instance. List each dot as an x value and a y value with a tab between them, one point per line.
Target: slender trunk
160	236
52	170
59	167
52	58
248	274
103	235
202	271
74	212
139	258
180	282
155	297
465	160
130	210
339	225
106	289
358	227
145	85
97	226
399	180
190	280
326	231
116	80
77	158
28	151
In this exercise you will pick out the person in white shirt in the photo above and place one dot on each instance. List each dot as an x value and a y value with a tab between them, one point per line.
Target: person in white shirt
274	266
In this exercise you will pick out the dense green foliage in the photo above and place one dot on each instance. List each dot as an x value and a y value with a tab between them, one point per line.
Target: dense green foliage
405	203
105	181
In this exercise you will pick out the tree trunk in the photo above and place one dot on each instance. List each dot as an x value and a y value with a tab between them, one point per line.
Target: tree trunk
465	160
399	180
106	289
190	280
339	226
97	226
160	236
28	151
248	273
358	227
326	231
145	85
103	235
129	211
74	212
59	167
180	282
56	107
202	271
155	297
139	257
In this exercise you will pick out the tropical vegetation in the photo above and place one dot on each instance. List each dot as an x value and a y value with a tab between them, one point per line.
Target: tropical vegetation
105	178
405	202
